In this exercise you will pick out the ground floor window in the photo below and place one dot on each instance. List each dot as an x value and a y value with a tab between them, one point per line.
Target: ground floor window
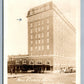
48	67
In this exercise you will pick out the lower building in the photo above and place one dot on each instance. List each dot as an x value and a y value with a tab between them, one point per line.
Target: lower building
25	63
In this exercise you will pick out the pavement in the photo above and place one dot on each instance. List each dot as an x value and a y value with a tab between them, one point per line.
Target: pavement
16	75
42	78
13	75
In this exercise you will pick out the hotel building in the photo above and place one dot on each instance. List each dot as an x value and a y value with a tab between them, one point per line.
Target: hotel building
51	39
51	35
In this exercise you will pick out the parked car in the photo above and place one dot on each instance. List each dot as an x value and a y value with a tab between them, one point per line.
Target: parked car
69	70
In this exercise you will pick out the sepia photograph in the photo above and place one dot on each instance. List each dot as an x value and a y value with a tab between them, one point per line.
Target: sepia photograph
41	42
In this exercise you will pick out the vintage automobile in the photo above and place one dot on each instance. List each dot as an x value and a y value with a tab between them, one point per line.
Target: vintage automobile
69	70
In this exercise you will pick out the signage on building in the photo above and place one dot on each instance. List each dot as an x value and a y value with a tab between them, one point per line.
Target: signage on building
42	8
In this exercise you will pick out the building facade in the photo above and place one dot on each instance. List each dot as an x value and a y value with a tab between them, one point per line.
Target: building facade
40	30
50	34
51	41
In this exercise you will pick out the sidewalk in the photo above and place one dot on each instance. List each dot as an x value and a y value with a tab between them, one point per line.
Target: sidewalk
13	75
16	75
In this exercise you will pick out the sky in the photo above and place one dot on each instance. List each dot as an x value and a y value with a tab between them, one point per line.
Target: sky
16	33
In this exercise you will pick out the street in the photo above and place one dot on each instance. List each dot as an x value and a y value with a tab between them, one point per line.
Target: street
52	78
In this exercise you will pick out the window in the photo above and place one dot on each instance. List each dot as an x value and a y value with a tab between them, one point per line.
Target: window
31	42
39	41
31	53
48	47
47	33
38	35
31	62
42	34
17	61
31	31
31	48
42	28
39	23
39	29
31	37
42	41
47	27
35	24
47	20
35	47
42	47
48	67
47	40
39	47
42	21
39	63
24	61
36	41
48	63
31	25
36	30
31	13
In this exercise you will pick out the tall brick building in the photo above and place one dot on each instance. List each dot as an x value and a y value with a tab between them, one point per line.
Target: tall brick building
51	41
50	34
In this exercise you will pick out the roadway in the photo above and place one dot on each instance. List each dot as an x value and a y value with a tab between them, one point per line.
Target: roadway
39	78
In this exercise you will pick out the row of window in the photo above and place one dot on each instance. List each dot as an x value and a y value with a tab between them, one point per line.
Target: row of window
39	41
39	35
38	29
40	48
31	62
38	23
